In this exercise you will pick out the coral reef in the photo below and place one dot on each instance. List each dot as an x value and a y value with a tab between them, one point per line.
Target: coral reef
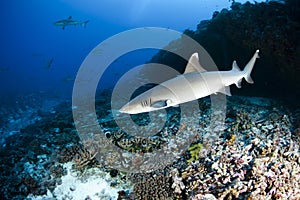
194	151
253	148
263	164
155	185
85	158
242	122
256	157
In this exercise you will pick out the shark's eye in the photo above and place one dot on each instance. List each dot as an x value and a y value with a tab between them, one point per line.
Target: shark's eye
168	102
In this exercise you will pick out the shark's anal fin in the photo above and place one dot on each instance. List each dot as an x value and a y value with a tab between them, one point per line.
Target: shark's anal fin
235	68
239	83
194	65
226	91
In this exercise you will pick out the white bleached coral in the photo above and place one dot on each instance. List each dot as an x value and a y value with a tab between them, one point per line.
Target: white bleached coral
94	185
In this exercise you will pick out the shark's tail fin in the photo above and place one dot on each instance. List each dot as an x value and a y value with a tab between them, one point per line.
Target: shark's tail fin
248	69
84	23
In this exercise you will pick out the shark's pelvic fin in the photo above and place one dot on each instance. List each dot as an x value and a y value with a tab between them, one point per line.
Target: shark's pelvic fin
194	65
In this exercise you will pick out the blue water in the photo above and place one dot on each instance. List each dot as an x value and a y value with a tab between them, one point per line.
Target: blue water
29	40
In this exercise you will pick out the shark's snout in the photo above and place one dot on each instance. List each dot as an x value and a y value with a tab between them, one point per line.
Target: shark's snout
128	108
133	107
124	109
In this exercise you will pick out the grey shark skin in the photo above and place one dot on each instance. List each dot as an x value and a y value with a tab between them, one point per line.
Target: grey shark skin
68	22
195	83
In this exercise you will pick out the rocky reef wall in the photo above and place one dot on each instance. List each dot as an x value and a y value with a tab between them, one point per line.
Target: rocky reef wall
235	34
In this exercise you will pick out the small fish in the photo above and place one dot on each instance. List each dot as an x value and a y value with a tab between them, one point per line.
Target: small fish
68	79
116	74
68	22
97	51
36	54
4	69
49	63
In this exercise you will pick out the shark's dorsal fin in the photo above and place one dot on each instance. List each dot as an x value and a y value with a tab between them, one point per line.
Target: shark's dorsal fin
194	65
70	17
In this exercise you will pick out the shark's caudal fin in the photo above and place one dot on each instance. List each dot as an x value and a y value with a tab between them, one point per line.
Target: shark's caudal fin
249	67
84	23
247	71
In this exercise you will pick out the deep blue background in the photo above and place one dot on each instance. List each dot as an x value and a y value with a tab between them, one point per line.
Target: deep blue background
29	39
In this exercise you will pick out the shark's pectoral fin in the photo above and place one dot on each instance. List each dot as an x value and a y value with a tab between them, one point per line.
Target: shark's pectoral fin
226	91
160	104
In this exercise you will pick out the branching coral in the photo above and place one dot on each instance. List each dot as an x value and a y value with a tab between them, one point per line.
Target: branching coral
194	151
85	158
152	186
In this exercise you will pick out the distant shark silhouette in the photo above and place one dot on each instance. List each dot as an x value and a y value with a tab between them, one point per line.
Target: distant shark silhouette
195	83
4	69
68	22
49	63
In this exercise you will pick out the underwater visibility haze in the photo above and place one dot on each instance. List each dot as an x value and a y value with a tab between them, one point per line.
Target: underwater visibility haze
30	39
144	99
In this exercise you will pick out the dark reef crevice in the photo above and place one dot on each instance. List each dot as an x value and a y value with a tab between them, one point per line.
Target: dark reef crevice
272	27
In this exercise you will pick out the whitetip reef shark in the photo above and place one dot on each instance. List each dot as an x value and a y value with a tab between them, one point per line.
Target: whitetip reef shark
68	22
194	83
